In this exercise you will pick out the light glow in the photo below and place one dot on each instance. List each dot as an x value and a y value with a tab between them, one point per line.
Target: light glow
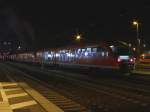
78	37
111	46
135	23
124	57
70	55
134	49
57	55
49	55
86	53
119	60
131	60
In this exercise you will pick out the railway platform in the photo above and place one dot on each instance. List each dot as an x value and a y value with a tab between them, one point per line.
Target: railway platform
19	97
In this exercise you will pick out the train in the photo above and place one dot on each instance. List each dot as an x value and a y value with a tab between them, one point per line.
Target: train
115	55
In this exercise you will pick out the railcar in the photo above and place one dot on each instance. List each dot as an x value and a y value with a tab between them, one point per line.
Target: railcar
105	55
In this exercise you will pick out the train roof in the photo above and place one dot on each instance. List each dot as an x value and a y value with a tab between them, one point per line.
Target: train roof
117	43
85	45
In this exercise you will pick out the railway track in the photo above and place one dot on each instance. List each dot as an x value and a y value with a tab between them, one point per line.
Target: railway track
63	102
99	93
126	83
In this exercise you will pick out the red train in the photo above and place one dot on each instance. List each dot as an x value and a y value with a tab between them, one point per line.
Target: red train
108	55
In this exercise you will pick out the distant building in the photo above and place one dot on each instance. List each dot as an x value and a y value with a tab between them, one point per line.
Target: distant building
6	47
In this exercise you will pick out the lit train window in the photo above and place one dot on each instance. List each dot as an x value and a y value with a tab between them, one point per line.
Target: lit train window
79	50
102	53
69	51
83	50
63	51
89	50
94	50
107	54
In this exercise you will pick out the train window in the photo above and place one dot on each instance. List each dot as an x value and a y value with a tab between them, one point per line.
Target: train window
102	52
69	51
83	50
89	49
63	51
94	50
122	51
107	54
60	51
79	50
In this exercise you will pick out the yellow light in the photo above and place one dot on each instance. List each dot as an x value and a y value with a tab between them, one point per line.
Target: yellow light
135	22
134	49
78	37
143	55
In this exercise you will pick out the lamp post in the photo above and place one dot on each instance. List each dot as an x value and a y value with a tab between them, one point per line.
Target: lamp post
135	23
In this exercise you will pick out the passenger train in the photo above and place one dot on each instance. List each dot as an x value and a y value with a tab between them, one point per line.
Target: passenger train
105	55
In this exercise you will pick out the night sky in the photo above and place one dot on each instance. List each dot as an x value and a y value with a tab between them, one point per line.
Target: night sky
53	24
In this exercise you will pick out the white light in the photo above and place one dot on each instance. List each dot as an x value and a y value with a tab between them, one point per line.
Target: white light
131	60
89	49
49	55
124	57
107	54
57	55
19	47
111	46
32	56
86	53
70	55
103	54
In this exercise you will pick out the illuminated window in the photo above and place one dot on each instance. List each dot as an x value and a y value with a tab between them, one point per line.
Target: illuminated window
79	50
94	49
107	54
88	49
103	53
83	50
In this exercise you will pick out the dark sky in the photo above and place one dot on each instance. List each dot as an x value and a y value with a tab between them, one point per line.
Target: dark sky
55	22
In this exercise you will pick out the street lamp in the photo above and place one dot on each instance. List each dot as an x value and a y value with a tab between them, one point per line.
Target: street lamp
78	37
19	48
135	23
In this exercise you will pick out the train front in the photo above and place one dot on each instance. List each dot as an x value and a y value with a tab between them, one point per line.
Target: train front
123	57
